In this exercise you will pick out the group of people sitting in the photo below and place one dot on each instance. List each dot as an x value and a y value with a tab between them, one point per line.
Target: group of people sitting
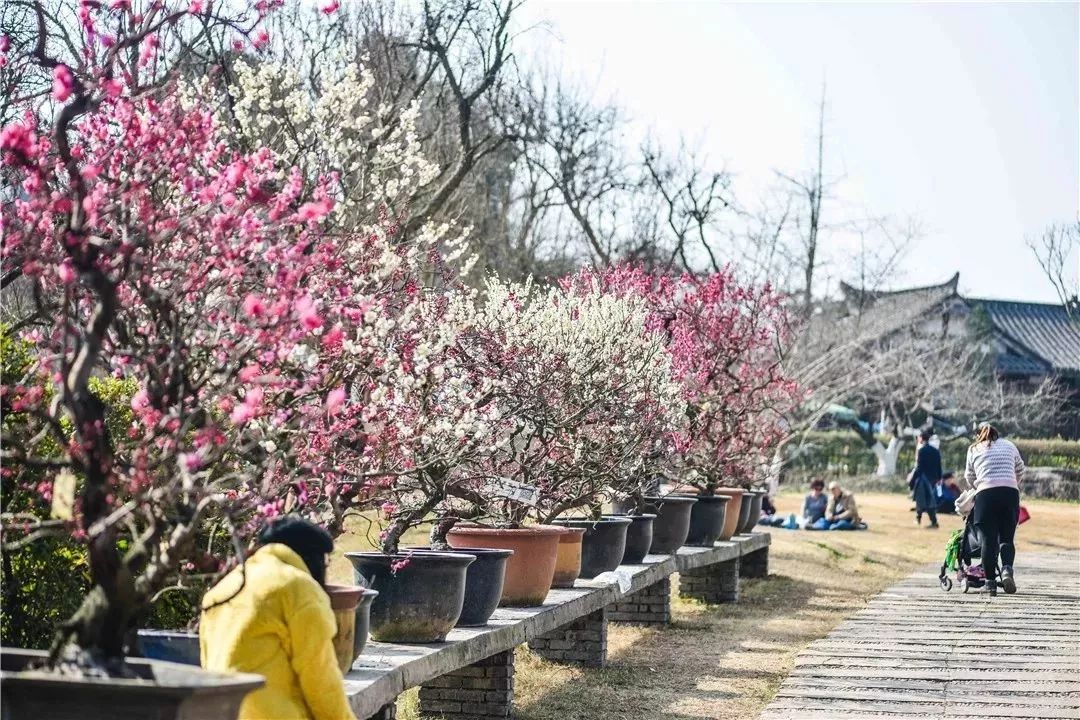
836	510
934	492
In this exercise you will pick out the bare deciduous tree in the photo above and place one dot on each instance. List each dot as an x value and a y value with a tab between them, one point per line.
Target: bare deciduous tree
692	199
812	189
1056	249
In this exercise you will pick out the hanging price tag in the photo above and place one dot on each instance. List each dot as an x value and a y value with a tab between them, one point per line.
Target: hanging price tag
63	496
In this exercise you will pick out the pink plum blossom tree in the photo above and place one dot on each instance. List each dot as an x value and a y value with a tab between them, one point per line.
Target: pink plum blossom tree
157	253
724	339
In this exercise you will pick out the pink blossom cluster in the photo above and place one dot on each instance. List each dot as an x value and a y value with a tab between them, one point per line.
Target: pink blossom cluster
724	338
279	363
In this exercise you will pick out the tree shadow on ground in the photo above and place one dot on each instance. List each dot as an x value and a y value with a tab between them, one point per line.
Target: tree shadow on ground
709	657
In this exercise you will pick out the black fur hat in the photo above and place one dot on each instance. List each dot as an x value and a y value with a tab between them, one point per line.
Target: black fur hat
305	538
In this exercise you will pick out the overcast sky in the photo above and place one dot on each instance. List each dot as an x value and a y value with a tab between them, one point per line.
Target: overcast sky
966	116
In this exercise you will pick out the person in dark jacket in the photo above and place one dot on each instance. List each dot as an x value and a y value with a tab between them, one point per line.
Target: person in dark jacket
947	492
925	478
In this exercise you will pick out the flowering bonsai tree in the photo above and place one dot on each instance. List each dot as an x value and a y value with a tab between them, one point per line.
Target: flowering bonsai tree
432	417
154	253
724	340
584	394
407	412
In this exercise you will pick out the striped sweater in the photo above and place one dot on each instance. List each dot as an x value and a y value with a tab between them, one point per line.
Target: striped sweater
996	464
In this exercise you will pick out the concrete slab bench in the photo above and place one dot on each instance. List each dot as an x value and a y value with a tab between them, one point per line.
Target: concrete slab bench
471	673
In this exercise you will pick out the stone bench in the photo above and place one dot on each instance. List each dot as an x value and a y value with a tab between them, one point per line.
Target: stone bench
471	674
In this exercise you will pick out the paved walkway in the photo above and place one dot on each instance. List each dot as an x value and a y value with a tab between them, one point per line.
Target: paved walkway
916	651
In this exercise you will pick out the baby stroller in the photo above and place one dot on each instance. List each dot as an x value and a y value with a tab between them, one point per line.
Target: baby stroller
962	548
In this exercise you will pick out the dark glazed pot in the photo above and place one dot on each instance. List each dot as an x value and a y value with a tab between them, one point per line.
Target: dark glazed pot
707	519
483	583
602	545
755	510
421	601
363	622
672	522
159	690
170	646
638	538
744	511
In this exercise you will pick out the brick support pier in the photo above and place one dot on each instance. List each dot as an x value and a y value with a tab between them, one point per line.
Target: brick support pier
716	583
482	690
388	712
755	564
649	606
582	642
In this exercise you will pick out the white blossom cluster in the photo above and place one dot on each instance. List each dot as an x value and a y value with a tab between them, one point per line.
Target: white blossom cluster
335	127
583	364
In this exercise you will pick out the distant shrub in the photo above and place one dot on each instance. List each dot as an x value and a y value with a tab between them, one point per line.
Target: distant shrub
843	454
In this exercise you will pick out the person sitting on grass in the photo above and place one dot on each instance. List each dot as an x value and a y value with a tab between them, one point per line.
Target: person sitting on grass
813	505
947	492
271	616
841	513
768	513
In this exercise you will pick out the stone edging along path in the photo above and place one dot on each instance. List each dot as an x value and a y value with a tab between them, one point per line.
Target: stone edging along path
918	652
471	674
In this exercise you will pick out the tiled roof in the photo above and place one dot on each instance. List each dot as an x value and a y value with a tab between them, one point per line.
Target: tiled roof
1040	337
1046	331
1013	364
883	312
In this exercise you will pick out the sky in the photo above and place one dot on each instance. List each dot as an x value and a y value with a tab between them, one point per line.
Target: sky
965	117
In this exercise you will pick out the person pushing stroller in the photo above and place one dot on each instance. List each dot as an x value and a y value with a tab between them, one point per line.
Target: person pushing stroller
995	472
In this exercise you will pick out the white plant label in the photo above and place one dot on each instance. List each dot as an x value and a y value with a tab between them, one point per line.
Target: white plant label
513	490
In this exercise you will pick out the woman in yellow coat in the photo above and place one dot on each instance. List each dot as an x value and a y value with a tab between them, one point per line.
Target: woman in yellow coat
272	617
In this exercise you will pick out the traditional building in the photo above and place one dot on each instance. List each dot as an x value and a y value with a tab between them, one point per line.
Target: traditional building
1031	342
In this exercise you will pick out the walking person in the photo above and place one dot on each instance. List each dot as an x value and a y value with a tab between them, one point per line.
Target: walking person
995	470
925	478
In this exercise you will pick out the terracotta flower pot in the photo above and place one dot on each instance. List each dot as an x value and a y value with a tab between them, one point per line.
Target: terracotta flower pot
568	558
733	513
420	594
531	568
352	610
708	518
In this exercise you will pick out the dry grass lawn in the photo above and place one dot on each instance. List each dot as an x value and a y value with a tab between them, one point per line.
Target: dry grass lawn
727	661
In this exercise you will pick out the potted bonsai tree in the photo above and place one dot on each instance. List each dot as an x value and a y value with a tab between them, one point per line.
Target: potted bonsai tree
434	417
584	391
401	418
149	251
724	339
